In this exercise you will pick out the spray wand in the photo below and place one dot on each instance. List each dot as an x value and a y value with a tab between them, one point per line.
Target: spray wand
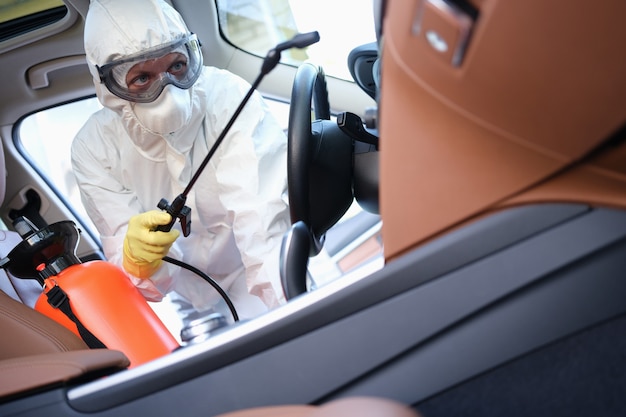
178	209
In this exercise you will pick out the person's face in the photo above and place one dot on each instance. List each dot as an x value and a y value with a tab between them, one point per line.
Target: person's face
142	75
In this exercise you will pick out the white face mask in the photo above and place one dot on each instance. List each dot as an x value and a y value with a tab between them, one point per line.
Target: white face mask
167	114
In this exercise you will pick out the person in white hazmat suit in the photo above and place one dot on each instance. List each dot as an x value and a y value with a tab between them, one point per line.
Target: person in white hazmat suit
163	110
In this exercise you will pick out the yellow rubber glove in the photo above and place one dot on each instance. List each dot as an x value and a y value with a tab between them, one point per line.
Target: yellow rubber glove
144	248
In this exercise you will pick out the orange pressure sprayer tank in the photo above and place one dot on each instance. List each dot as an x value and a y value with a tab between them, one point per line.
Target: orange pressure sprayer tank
100	295
110	306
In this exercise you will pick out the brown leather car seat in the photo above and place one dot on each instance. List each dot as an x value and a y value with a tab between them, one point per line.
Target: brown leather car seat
27	332
355	406
527	109
36	352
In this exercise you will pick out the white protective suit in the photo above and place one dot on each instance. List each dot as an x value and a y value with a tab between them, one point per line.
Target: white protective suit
238	205
26	291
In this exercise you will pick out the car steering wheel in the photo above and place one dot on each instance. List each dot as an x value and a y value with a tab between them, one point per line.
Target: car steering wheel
319	167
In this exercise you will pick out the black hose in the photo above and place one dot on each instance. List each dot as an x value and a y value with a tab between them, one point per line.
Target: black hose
207	279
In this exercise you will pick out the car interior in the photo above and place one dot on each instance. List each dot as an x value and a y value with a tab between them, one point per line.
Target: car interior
488	136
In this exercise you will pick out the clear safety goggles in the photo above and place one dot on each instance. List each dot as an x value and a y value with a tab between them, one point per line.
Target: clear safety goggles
142	77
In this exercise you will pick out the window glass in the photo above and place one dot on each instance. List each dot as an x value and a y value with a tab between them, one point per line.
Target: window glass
21	16
46	137
257	26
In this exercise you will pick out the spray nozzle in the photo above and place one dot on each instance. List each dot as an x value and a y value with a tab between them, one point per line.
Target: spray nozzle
300	40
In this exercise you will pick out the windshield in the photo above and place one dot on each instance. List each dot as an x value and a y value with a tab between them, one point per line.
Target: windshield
256	26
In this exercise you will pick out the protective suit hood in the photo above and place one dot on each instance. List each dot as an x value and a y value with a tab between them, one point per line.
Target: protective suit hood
115	29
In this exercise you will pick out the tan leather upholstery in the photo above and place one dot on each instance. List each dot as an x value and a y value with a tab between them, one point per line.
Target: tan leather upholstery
273	411
345	407
27	332
35	351
540	88
26	373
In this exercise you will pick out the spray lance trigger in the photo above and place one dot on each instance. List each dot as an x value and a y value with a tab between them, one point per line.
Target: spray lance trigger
178	209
